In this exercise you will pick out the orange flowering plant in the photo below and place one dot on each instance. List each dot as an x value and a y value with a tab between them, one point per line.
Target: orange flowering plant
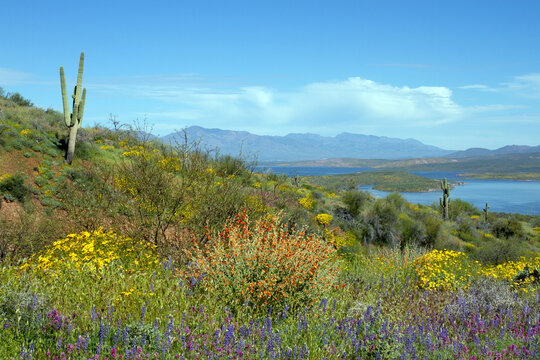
266	264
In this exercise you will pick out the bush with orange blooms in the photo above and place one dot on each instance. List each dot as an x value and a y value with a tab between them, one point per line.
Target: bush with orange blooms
265	264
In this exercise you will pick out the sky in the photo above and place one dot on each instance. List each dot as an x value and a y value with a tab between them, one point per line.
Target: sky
454	74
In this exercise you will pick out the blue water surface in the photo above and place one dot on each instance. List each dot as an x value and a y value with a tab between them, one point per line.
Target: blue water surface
502	195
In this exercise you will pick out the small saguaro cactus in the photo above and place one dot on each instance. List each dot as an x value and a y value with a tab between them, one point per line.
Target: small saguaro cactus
485	210
445	200
73	120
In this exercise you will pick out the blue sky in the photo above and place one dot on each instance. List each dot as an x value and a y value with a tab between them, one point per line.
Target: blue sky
454	74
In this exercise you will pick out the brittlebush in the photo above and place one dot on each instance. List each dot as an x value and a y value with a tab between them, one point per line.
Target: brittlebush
264	264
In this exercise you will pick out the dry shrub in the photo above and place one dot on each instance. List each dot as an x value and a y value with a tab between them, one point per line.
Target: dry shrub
264	264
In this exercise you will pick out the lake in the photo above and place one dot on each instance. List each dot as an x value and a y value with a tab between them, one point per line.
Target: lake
502	195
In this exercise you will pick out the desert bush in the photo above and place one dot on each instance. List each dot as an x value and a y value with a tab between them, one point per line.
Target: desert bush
88	195
355	201
380	224
412	232
466	228
459	207
19	99
264	264
163	189
508	227
496	251
13	187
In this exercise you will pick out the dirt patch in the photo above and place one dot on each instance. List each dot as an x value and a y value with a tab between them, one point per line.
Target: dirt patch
10	210
14	162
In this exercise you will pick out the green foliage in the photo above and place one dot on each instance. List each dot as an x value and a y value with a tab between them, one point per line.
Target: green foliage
355	201
381	180
462	208
508	227
14	187
18	99
412	232
380	224
496	251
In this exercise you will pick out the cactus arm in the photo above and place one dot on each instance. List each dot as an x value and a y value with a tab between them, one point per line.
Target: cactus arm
67	116
77	94
75	113
81	108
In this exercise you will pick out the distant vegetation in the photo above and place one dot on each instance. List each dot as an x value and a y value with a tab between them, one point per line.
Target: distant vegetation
503	176
148	251
398	181
514	165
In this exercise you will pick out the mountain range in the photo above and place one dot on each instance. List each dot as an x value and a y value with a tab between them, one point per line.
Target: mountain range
294	147
298	147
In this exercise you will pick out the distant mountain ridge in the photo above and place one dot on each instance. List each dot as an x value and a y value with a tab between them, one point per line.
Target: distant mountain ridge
296	147
505	150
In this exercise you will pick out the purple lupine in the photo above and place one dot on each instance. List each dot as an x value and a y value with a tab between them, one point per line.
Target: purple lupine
143	312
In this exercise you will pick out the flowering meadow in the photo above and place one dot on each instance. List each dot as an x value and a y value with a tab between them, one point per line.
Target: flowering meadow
100	295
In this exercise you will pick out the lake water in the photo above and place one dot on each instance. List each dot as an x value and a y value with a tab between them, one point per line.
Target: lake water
502	195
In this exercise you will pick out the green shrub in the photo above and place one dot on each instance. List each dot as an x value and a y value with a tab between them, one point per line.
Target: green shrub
380	224
459	207
19	99
496	252
508	227
14	186
355	201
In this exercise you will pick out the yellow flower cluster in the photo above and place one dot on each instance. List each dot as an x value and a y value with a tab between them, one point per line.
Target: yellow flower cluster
443	270
106	147
447	269
26	132
510	269
170	164
93	251
134	151
4	177
324	219
306	202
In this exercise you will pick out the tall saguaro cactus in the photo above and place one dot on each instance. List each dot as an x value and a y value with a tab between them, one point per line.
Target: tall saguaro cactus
445	200
485	210
73	120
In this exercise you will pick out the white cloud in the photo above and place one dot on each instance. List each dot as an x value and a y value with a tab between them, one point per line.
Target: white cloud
354	105
474	86
11	77
526	85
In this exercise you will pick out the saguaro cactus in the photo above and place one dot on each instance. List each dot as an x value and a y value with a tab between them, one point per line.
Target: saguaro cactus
485	210
73	120
445	200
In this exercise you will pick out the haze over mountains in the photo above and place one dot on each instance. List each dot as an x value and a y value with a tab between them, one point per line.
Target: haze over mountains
297	147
